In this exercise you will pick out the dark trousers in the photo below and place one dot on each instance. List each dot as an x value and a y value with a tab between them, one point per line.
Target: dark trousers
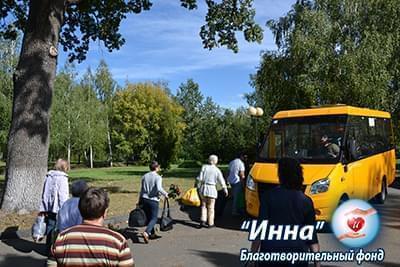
51	222
150	207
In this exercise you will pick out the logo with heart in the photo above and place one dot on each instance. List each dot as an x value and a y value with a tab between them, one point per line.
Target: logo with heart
356	223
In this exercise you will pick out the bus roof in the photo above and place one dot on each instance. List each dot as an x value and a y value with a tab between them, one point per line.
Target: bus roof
331	110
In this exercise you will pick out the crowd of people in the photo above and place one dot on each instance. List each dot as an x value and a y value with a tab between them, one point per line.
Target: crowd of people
75	231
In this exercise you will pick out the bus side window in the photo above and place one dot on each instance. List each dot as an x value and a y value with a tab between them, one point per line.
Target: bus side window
389	134
358	143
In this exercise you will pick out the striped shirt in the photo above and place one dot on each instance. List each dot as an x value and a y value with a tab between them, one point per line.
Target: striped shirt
88	246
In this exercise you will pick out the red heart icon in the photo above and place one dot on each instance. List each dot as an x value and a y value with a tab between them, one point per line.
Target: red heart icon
356	223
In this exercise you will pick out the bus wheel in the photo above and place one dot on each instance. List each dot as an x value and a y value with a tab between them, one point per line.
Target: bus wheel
381	197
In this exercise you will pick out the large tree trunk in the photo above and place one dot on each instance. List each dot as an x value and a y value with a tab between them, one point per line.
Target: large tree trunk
33	85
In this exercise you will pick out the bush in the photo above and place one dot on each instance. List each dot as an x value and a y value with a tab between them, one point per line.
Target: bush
190	164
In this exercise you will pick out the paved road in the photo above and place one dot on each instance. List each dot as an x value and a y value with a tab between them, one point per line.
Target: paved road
187	246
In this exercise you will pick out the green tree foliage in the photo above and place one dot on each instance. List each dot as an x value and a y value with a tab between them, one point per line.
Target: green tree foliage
65	114
105	88
225	132
147	124
333	51
79	118
8	61
237	134
92	129
211	129
191	99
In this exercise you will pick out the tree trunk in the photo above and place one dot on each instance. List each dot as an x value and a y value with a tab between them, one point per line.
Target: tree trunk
69	155
110	148
91	156
69	145
28	140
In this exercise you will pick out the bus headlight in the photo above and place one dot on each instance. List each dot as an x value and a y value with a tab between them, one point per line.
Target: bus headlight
320	186
250	183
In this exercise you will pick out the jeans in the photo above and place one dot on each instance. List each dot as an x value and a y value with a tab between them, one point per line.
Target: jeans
207	210
236	190
51	222
150	207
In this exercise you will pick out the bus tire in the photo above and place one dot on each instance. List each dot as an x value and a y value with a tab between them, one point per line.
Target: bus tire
381	197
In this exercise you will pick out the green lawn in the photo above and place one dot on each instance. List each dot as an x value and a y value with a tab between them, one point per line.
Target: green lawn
122	183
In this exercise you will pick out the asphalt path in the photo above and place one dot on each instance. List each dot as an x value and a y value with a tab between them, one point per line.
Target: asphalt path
186	245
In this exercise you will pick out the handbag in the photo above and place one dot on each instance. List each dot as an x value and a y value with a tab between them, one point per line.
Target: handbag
166	222
137	218
39	228
191	198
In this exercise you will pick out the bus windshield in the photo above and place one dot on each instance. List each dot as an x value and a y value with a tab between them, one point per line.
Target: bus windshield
316	139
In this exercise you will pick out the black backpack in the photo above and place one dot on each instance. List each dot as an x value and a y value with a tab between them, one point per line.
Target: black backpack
137	218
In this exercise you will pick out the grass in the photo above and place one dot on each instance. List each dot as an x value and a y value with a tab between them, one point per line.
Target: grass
122	184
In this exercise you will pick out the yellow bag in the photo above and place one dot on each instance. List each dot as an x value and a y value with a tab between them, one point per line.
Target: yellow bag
191	198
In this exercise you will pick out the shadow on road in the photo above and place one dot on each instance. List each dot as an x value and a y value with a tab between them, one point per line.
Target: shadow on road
188	223
219	258
396	183
390	211
131	233
223	218
13	260
388	264
11	238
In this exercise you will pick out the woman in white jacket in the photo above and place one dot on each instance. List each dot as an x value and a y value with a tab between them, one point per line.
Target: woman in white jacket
208	179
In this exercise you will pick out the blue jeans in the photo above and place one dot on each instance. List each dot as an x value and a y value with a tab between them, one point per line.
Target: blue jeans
236	190
51	221
150	207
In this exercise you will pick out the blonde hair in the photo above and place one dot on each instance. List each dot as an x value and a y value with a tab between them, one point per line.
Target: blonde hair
61	165
213	159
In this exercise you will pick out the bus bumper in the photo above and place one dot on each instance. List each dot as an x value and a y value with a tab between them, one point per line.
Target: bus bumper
324	205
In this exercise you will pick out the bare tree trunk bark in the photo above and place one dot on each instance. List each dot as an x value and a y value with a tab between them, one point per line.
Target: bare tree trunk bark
28	140
69	145
91	156
110	148
69	155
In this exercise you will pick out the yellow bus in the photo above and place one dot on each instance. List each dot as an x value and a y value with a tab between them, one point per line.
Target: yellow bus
346	152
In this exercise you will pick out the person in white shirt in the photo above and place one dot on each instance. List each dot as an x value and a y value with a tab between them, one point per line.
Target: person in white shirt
69	214
236	179
210	176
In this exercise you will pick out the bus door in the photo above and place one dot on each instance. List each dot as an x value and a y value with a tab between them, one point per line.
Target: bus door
358	171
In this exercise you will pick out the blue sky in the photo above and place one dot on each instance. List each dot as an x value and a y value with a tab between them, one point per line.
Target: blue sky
164	44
